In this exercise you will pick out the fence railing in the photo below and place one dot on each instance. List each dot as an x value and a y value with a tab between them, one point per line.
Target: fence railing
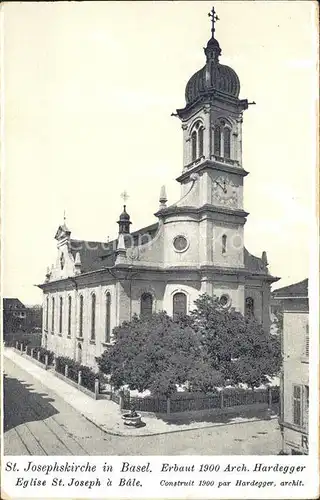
190	402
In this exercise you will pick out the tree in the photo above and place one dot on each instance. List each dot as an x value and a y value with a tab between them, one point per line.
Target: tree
209	348
236	347
154	353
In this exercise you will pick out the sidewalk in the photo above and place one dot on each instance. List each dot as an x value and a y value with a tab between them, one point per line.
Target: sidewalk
106	414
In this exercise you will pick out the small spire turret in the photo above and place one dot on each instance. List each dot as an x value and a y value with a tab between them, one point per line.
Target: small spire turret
163	198
124	222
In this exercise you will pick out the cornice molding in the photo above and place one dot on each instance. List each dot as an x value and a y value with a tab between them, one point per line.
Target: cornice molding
198	211
212	165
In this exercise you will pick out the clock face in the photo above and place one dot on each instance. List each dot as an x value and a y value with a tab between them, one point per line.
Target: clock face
224	192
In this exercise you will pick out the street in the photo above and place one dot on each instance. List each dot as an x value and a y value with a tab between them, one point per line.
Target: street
38	422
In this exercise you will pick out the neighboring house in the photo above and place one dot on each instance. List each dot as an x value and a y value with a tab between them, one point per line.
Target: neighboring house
195	247
34	318
294	417
14	316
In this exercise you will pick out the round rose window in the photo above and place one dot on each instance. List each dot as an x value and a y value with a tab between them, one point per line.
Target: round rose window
224	300
180	243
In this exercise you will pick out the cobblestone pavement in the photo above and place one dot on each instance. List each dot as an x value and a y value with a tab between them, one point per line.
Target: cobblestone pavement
38	422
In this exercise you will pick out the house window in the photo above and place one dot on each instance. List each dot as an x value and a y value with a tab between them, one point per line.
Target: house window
69	315
81	316
305	414
179	304
108	310
194	145
297	405
226	142
60	314
200	141
249	308
146	304
47	313
217	140
307	340
52	316
93	316
224	244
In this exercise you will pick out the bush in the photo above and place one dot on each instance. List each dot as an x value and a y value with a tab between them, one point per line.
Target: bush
88	376
43	353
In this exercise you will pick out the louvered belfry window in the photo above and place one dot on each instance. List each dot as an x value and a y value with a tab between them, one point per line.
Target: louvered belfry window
226	143
194	145
217	140
200	140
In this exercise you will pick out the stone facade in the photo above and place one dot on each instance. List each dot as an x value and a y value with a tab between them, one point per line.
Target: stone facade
196	246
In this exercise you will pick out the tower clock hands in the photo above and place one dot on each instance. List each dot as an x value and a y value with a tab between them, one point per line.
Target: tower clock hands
222	186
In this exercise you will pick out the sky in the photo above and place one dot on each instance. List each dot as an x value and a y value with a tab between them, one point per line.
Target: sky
88	89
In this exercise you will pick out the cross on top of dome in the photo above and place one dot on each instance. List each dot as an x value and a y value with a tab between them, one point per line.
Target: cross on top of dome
214	18
124	195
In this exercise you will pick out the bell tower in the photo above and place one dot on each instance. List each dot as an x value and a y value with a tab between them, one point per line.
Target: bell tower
212	152
212	119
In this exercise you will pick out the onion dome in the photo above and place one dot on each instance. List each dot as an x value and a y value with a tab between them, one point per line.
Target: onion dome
213	76
124	221
124	215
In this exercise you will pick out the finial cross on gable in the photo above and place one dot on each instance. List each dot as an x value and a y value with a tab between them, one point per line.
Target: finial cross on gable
214	18
124	196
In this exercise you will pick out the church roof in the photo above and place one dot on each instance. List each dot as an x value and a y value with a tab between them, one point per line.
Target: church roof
254	264
13	303
299	289
95	255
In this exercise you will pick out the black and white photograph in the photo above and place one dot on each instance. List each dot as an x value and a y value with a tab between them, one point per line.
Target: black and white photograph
159	235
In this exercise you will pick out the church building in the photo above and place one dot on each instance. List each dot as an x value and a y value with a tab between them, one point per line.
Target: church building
195	247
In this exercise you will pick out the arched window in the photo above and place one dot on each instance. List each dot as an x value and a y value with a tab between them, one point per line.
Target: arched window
179	304
224	244
47	313
194	145
60	314
249	309
217	140
69	315
93	316
81	316
146	304
108	310
200	141
226	142
52	316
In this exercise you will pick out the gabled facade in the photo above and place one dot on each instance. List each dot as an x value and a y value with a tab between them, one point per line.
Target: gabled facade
196	246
